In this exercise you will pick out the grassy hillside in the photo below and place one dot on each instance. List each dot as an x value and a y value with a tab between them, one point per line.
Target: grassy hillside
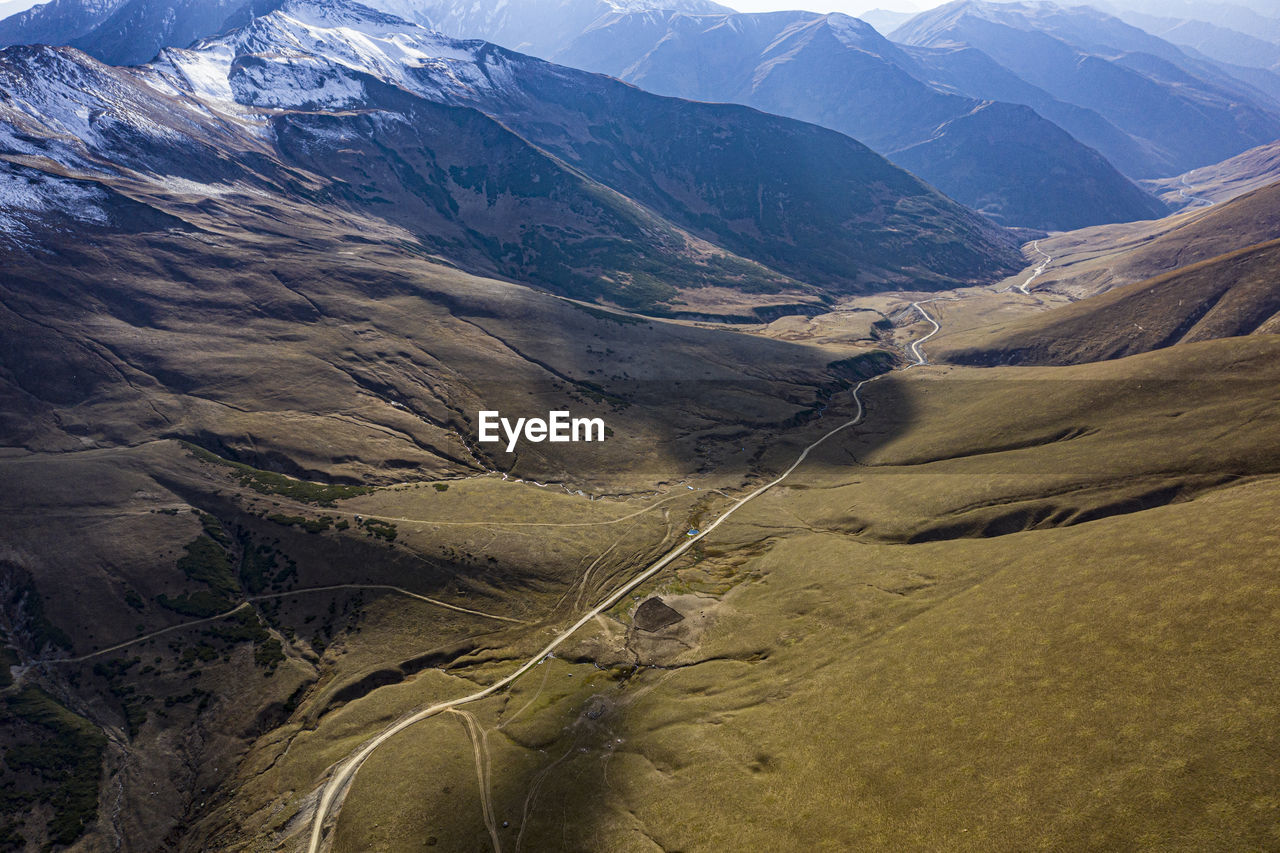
1231	295
1091	260
955	626
309	350
250	526
1233	177
1105	679
809	202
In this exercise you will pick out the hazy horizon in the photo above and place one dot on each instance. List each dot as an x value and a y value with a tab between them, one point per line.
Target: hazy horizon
849	7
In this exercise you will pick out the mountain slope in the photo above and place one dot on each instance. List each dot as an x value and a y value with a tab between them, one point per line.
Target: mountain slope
136	126
303	342
337	127
1233	177
838	72
1227	296
997	154
136	31
249	524
1001	620
1204	274
1092	260
726	174
1187	113
971	72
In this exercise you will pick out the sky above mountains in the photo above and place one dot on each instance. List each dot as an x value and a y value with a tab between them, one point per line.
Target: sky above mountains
849	7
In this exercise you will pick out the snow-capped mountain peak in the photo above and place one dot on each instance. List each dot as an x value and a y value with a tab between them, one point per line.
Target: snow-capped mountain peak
313	54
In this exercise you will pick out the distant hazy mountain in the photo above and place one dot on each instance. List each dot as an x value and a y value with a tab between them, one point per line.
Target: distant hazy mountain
1216	42
1259	18
1185	112
56	22
537	27
884	20
970	71
1252	59
837	71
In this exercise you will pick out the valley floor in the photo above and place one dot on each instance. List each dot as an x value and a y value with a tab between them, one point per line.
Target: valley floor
991	608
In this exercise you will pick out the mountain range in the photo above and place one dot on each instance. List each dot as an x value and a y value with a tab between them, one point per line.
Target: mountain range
540	28
334	125
1219	43
1001	158
1077	101
448	139
1179	111
1256	18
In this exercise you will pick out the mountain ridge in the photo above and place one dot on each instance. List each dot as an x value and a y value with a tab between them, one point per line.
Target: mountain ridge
839	72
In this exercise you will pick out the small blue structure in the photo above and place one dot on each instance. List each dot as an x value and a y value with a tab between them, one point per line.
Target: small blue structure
693	531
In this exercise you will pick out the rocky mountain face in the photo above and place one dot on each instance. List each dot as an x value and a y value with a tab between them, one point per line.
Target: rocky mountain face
127	32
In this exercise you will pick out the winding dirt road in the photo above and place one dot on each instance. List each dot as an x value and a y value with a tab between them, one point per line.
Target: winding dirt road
1035	273
1183	194
346	771
914	349
329	801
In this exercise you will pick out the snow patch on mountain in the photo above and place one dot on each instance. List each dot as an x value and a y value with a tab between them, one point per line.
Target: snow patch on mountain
58	93
303	56
27	194
287	81
204	74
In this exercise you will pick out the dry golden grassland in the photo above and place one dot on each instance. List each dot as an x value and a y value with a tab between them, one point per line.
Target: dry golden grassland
1085	658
